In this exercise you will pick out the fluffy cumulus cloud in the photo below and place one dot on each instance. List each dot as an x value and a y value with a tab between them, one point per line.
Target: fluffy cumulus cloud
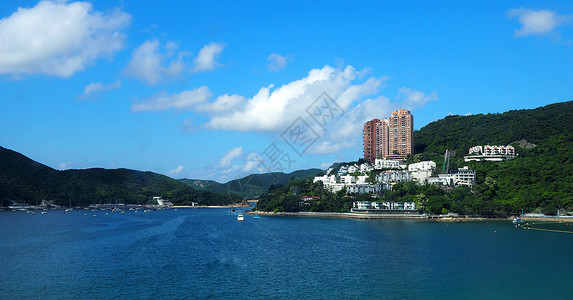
206	60
152	63
59	38
536	22
277	62
352	93
97	87
273	109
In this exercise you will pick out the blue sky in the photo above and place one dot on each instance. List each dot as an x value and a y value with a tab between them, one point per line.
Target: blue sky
219	90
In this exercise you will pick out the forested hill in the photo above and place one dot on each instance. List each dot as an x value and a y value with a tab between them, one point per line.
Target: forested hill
24	180
251	186
539	178
462	132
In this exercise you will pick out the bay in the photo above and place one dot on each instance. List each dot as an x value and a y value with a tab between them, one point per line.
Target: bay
207	253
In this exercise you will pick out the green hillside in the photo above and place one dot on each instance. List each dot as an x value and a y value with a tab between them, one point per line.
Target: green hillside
539	179
24	180
462	132
251	186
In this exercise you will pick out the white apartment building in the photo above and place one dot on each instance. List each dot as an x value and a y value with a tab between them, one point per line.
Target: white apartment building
394	176
464	176
422	166
368	188
386	164
374	205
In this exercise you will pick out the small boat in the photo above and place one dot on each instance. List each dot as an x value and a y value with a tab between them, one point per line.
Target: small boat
516	220
256	217
240	217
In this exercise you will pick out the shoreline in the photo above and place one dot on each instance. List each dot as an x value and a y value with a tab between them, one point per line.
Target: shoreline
372	216
212	206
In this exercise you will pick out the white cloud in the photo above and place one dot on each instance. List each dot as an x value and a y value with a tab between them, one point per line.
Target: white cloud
412	99
151	65
277	62
195	99
177	170
96	87
185	100
274	109
58	38
206	59
536	22
230	156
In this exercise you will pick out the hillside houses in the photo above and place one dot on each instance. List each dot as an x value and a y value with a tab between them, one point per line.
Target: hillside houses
490	153
357	180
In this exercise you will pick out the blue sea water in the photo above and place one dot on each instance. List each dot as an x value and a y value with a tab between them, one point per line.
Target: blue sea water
207	253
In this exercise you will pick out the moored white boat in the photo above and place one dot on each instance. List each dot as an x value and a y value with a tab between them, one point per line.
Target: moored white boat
240	217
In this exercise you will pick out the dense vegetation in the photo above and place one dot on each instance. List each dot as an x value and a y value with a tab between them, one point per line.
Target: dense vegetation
538	180
24	180
251	186
288	198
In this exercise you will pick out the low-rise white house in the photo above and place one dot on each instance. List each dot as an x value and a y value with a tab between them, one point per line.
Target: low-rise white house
464	176
394	176
343	170
422	166
347	179
377	188
421	176
380	164
373	206
422	171
353	169
365	168
442	179
362	179
490	153
326	179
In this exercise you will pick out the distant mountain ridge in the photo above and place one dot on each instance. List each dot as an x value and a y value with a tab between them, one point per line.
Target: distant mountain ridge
25	180
251	186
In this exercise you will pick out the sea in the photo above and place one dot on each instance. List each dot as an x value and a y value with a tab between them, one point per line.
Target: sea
208	254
